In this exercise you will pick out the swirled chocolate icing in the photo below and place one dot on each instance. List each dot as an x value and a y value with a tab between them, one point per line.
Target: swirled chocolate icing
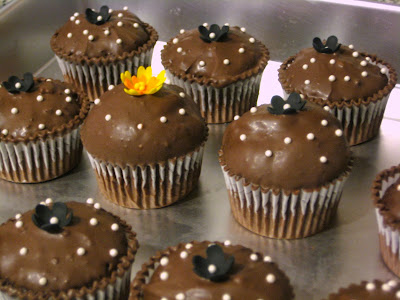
224	61
294	151
376	290
143	129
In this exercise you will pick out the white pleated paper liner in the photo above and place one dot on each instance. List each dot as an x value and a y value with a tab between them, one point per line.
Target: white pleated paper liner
94	79
41	159
149	186
284	214
221	105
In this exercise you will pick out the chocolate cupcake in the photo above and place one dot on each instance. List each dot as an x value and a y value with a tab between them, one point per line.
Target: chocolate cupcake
386	196
220	68
92	49
66	251
376	290
39	128
204	270
145	141
285	166
354	85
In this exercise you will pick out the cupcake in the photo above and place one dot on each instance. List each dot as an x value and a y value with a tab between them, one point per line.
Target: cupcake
145	141
215	271
39	128
66	251
92	49
285	165
354	85
386	196
376	290
220	68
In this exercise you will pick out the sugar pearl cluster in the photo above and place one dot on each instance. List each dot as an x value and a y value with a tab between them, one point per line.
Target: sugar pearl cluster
385	287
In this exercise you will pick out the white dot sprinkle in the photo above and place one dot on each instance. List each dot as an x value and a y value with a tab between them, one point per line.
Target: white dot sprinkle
80	251
180	296
48	201
175	41
118	41
163	119
164	275
58	112
106	32
110	87
227	243
77	22
19	224
324	122
236	117
267	258
76	14
41	126
23	251
93	221
139	126
72	18
326	108
253	109
268	153
89	201
254	257
189	246
226	61
226	24
212	35
332	78
68	99
392	283
164	261
205	24
286	106
243	137
182	31
312	60
99	18
252	40
14	110
136	25
346	78
18	85
4	132
179	50
110	10
119	24
305	67
241	50
18	216
85	32
43	281
97	205
243	29
202	63
351	46
363	63
108	117
53	220
97	101
270	278
184	254
364	74
182	111
212	268
113	252
398	294
355	54
226	297
310	136
114	227
287	140
302	96
385	287
338	132
120	15
368	58
383	70
307	81
182	94
332	61
125	8
323	159
69	35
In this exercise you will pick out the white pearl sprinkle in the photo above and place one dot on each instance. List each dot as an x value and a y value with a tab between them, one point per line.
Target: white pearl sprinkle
368	58
254	257
23	251
346	78
332	78
163	119
226	24
113	252
226	61
332	61
355	54
363	63
80	251
53	220
270	278
164	261
183	254
89	201
175	40
364	74
307	81
76	14
268	153
43	281
205	24
182	31
18	216
97	101
18	85
99	18
58	112
267	258
97	205
189	246
310	136
211	35
398	187
164	275
351	46
180	296
323	159
392	283
14	110
302	96
182	94
77	22
69	35
242	29
287	140
41	126
212	268
85	32
114	227
182	111
326	108
68	99
286	106
19	224
120	15
67	91
227	243
383	70
252	40
305	67
236	117
179	50
110	87
385	287
226	297
108	117
72	18
338	132
136	25
253	109
125	8
324	122
119	24
93	221
139	126
110	10
48	201
398	294
118	41
243	137
4	131
202	63
312	60
106	32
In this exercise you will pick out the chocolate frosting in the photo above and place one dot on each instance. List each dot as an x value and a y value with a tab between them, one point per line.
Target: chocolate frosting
294	161
72	42
135	134
337	77
376	290
51	106
54	256
241	65
247	278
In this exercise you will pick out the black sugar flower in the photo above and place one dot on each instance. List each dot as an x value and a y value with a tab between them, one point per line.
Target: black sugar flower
215	267
15	85
331	45
52	219
282	107
98	18
214	33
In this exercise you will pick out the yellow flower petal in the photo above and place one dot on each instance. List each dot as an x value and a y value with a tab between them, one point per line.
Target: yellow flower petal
149	73
140	72
161	76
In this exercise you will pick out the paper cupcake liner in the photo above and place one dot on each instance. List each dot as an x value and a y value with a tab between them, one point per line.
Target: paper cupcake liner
149	186
40	160
94	79
283	214
221	105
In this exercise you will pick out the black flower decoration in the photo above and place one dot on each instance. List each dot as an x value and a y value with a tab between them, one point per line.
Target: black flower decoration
52	219
331	44
98	18
282	107
214	33
215	267
15	85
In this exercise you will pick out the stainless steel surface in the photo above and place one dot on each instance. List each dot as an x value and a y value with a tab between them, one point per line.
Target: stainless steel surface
347	252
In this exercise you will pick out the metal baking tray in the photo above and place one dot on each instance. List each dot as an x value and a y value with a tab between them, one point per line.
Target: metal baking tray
347	252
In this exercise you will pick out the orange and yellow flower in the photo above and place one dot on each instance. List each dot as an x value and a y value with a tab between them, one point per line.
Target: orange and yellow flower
143	83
